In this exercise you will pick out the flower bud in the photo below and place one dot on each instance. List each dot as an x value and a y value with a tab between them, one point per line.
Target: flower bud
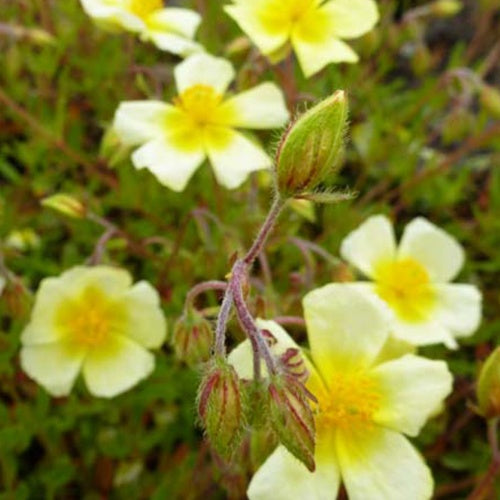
221	408
490	100
457	125
292	418
65	204
446	8
312	146
292	362
488	386
193	338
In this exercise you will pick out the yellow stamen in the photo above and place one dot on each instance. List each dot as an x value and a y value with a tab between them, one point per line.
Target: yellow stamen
89	319
144	8
405	285
300	16
349	400
200	103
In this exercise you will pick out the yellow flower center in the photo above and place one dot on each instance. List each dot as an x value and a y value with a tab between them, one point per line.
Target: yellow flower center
200	103
350	400
89	319
297	8
405	285
144	8
302	17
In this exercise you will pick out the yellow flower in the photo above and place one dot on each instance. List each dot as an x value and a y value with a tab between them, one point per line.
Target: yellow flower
92	319
171	29
413	279
366	404
176	138
314	28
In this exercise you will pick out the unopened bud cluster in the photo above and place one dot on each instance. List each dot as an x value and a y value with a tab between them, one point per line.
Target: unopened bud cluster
278	407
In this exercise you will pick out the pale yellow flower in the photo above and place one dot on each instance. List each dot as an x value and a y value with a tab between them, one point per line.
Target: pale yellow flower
92	319
201	122
367	402
313	28
171	29
413	279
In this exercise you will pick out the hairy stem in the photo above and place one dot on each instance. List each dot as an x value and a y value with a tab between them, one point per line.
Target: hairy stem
222	319
264	232
485	486
246	320
202	288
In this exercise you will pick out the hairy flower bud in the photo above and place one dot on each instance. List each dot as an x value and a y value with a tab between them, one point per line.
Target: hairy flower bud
488	386
193	338
311	147
221	408
65	204
490	100
292	362
446	8
292	418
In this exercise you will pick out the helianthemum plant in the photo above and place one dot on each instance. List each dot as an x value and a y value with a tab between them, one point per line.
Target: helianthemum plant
315	29
92	319
364	408
414	278
313	141
171	29
201	122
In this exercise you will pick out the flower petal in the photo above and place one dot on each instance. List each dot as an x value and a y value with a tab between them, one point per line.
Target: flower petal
241	357
180	21
204	69
380	464
372	242
260	107
146	323
173	167
255	19
346	328
394	348
440	253
352	18
173	43
115	369
109	16
55	290
283	477
313	56
423	333
234	157
114	17
54	366
458	308
137	122
412	388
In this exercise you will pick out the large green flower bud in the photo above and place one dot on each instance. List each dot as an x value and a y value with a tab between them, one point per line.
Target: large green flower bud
292	418
488	386
311	148
221	408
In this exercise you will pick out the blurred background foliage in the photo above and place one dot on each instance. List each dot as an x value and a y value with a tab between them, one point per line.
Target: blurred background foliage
424	140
